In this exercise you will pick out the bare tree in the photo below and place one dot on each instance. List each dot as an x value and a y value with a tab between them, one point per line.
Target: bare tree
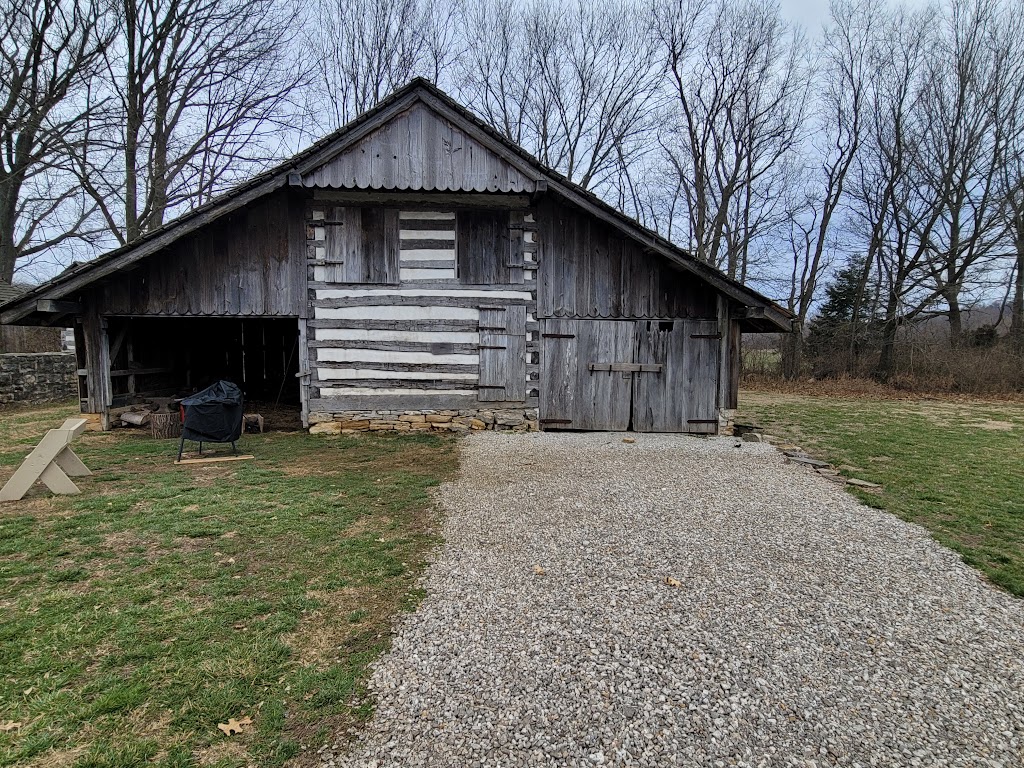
575	83
972	83
1012	191
740	83
365	49
51	51
891	217
833	146
199	90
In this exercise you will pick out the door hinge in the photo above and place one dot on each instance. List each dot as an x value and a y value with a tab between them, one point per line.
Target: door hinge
705	335
558	335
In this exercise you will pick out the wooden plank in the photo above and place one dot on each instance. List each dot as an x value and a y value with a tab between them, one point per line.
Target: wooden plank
603	399
470	385
425	201
411	402
503	353
51	306
483	248
700	362
425	264
424	311
215	459
661	400
457	299
304	367
397	346
393	325
440	289
52	461
515	355
558	371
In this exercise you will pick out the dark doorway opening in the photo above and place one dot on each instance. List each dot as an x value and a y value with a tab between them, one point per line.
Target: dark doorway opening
153	357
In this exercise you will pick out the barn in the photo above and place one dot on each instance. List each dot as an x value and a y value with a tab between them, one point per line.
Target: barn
413	263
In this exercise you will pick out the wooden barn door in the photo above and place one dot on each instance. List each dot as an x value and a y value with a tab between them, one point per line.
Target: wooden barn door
614	375
583	386
676	388
503	354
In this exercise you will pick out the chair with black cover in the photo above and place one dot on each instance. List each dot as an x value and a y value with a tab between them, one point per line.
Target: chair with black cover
213	415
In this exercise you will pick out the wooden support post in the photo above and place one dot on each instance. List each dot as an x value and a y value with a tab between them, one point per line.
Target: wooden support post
52	461
97	362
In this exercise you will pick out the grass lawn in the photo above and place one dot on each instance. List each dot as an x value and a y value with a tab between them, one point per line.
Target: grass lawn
954	467
164	600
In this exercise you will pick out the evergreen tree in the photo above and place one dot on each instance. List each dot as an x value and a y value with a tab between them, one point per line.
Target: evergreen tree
837	327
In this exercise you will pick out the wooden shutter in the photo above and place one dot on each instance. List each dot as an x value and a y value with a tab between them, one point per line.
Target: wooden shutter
362	245
503	354
485	250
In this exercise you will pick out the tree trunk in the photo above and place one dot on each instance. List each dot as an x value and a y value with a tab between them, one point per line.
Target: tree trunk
793	354
855	315
887	358
956	322
10	191
1017	310
8	252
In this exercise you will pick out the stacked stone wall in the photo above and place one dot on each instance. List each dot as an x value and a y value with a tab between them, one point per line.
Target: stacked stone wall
41	377
347	422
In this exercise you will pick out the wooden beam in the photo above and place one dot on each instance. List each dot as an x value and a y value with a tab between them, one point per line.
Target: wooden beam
213	459
423	200
749	313
51	306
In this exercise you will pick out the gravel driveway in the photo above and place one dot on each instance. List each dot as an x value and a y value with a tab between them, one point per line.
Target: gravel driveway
799	628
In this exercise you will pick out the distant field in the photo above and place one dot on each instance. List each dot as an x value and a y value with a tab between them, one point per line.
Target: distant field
955	467
167	599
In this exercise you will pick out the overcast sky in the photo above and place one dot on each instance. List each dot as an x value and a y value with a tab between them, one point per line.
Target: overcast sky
810	13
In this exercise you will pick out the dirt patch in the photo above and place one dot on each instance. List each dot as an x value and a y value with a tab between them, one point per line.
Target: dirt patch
319	639
57	758
993	426
230	750
207	476
129	542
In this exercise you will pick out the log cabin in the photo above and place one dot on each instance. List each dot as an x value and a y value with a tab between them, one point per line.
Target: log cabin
413	268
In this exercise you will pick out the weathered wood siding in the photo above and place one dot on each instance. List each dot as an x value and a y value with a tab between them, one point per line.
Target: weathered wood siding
419	151
417	344
588	269
250	263
645	375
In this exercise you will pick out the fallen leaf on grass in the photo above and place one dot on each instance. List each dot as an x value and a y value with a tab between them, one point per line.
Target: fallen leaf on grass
673	582
538	570
234	726
9	725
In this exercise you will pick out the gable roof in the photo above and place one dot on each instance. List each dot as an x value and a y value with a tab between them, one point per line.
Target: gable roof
309	168
10	292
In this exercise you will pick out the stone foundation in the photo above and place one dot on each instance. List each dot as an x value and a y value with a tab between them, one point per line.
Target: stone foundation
726	420
348	422
43	377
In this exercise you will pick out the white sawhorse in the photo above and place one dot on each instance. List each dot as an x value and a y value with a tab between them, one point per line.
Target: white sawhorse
52	461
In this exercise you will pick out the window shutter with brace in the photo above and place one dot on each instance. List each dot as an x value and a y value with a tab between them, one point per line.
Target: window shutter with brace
503	354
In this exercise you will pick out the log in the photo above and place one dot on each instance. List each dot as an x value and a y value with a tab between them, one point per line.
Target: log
165	425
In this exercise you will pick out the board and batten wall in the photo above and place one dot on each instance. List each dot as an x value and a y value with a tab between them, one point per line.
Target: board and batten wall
428	329
600	294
